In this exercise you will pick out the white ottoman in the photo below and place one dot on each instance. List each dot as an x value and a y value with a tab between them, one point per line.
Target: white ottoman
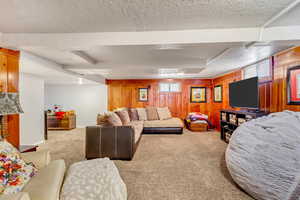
97	179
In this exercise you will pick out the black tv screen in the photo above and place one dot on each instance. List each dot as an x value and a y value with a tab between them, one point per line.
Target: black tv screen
244	93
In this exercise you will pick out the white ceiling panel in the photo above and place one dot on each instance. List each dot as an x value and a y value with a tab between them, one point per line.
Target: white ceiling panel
70	16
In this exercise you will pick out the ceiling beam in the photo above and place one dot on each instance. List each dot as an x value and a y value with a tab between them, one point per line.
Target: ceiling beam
59	68
86	57
83	41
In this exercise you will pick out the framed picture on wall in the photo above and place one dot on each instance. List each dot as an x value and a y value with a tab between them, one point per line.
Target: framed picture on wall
218	93
198	95
143	94
293	86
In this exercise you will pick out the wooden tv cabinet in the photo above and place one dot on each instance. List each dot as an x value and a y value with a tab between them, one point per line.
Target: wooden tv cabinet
231	119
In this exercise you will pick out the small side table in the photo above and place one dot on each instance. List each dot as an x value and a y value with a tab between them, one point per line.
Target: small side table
27	148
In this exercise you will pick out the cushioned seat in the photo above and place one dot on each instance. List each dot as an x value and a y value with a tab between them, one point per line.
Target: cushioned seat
47	182
169	123
138	129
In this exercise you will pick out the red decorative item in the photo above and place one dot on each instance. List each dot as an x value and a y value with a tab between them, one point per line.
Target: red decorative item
293	86
60	115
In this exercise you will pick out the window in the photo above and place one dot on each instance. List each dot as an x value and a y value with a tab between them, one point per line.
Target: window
261	69
169	87
250	72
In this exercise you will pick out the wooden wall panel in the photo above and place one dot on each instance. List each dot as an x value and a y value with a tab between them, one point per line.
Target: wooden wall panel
282	62
217	106
124	93
9	82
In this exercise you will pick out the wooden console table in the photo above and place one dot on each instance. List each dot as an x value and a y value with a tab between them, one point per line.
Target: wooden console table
67	123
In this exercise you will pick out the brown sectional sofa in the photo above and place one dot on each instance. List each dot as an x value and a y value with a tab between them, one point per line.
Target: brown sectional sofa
120	142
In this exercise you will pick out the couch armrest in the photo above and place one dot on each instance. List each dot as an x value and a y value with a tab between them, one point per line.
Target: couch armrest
17	196
115	142
39	158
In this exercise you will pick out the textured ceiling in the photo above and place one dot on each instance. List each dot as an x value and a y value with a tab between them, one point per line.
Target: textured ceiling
61	16
291	18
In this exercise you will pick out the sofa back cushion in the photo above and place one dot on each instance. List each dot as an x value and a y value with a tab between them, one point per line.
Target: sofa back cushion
142	114
114	120
164	113
124	116
152	113
133	114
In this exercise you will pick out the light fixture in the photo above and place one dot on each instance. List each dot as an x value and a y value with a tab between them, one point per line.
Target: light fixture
9	105
80	81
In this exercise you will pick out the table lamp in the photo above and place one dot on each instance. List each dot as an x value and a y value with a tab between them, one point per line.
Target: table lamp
9	105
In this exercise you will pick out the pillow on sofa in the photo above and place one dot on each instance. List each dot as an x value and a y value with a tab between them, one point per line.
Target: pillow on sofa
152	113
114	120
133	114
102	119
124	116
164	113
142	114
14	172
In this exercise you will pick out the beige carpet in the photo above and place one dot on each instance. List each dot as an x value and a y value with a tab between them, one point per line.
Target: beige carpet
165	167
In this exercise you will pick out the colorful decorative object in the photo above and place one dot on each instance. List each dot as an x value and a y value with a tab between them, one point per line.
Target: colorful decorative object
143	94
14	172
293	86
218	93
198	95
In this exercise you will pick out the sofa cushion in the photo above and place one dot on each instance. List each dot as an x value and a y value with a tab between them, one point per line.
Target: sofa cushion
152	113
138	129
167	123
124	116
47	182
164	113
114	120
133	114
142	114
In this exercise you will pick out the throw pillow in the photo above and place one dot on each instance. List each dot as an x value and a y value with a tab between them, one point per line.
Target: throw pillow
8	149
102	119
133	114
14	172
114	120
124	116
152	113
142	114
164	113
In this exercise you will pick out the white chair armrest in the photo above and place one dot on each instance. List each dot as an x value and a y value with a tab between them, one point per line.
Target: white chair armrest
39	158
17	196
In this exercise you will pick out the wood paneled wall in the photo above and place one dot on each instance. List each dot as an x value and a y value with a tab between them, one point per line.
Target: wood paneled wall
124	93
224	82
9	82
282	62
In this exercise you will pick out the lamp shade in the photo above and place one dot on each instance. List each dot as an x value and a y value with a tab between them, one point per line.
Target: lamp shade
9	103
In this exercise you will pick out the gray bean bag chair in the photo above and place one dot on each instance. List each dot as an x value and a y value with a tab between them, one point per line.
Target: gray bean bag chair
263	156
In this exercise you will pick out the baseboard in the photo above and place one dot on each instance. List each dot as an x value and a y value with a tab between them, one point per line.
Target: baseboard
34	144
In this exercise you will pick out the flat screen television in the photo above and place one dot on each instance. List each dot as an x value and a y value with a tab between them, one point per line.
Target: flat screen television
244	94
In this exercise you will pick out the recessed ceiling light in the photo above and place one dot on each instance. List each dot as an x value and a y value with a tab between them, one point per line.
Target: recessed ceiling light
80	81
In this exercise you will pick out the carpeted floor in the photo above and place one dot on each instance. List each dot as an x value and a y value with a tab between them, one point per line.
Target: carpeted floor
165	167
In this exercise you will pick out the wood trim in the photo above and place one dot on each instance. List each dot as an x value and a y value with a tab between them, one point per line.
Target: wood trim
9	82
